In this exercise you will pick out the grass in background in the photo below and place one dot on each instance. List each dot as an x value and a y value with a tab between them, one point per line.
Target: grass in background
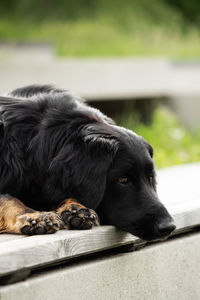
172	143
101	27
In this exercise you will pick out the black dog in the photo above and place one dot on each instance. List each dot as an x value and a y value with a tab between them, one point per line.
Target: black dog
55	148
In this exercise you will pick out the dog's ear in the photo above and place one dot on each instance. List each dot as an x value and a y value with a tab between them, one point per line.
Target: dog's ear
77	165
92	164
148	146
1	129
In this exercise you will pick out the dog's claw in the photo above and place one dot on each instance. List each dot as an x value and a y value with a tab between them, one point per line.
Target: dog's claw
76	216
40	223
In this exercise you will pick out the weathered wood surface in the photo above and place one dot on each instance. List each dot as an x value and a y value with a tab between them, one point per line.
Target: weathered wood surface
34	251
178	188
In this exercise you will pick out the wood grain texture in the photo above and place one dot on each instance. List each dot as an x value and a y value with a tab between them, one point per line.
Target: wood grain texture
38	250
178	189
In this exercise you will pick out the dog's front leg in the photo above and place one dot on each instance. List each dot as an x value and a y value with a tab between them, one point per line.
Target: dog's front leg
77	216
15	217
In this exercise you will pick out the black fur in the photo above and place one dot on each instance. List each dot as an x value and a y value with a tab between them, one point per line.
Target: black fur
54	146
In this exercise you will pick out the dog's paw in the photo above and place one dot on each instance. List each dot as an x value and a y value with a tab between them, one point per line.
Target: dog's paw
39	223
77	216
83	218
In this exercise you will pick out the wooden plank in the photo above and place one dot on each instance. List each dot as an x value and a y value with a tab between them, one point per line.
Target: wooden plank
166	271
178	189
37	250
9	237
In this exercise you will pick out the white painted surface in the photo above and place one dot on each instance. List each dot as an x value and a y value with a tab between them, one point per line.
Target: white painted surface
178	189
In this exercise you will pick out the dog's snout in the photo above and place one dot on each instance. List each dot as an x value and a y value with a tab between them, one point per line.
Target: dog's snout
165	228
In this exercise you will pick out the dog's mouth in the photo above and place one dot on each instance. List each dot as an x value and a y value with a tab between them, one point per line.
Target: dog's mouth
151	237
152	233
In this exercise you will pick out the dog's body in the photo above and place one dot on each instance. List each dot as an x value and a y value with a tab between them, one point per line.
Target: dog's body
55	148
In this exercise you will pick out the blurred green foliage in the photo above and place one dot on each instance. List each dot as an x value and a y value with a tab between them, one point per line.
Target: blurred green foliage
65	9
190	9
172	143
102	27
115	27
47	9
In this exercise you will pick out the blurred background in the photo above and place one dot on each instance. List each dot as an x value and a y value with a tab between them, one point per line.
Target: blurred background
136	60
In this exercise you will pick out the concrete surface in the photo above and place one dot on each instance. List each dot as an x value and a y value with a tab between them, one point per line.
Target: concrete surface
97	78
162	271
188	110
93	79
105	78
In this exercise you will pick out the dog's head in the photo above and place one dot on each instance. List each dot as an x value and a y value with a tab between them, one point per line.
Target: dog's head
130	201
126	186
110	169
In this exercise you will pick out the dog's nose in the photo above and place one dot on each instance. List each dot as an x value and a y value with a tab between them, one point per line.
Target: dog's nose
165	228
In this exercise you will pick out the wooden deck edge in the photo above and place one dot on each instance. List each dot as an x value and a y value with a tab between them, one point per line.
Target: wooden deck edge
36	251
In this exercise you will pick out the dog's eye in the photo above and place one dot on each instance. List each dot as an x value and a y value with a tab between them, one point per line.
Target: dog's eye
151	180
122	180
